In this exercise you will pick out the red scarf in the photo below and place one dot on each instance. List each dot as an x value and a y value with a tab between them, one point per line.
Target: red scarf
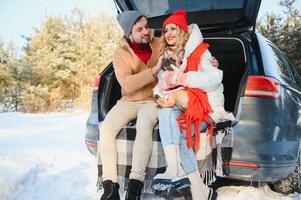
143	51
198	108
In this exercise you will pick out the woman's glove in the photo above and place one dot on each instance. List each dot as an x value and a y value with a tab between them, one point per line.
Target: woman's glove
174	78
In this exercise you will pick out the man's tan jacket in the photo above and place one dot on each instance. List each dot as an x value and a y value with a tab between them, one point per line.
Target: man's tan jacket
135	77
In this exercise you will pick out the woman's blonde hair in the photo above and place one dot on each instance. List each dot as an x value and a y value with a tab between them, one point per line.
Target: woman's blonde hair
180	44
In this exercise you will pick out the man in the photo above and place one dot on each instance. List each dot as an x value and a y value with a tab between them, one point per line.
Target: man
136	66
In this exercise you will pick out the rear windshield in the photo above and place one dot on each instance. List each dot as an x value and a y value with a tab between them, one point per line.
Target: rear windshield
153	8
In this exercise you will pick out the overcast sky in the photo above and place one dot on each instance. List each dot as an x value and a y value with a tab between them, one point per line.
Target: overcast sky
18	17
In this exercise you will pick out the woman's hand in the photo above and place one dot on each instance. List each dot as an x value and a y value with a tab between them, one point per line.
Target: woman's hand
174	78
157	67
214	62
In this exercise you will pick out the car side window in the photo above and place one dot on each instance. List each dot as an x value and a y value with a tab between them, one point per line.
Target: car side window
294	71
282	67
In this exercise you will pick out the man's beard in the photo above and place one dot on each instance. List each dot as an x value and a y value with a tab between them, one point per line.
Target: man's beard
142	41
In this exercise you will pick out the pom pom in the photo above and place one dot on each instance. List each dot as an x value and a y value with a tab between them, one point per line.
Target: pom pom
180	12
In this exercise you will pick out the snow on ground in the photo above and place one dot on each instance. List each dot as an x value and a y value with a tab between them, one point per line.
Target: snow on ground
43	156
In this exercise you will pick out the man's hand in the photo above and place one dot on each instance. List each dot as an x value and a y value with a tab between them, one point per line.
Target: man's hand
214	62
166	102
157	67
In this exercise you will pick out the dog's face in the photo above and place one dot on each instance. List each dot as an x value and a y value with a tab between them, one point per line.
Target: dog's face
168	61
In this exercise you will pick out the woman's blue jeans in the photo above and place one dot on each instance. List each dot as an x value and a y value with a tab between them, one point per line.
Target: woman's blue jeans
170	134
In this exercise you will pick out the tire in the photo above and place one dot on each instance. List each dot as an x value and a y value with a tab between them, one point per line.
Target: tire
290	184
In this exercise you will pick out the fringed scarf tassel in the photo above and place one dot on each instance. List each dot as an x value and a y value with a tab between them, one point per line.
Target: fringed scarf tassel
198	110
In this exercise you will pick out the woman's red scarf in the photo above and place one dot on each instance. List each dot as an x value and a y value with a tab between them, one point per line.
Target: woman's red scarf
198	108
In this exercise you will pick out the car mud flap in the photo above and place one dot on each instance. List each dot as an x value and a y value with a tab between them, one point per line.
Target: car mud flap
222	153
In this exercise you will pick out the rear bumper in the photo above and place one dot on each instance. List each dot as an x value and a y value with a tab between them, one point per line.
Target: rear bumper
264	145
92	133
265	173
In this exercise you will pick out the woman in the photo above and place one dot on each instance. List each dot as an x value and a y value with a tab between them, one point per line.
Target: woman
205	104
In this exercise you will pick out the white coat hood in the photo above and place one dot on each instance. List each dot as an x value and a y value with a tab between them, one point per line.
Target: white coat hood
195	39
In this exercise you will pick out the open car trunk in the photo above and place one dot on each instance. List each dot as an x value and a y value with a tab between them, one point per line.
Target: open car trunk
230	51
211	15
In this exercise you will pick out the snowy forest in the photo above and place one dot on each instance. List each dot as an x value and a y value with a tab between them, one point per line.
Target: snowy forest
58	65
56	68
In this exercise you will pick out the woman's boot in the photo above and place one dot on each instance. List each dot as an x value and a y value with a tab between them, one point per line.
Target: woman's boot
170	152
173	175
199	190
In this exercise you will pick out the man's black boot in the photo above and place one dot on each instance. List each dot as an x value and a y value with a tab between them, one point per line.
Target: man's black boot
134	190
111	191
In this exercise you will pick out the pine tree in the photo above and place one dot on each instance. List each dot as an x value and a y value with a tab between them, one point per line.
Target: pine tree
285	31
12	77
95	41
63	57
5	76
44	56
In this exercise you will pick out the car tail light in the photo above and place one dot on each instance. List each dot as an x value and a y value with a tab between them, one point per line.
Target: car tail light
92	147
96	83
243	164
261	86
91	144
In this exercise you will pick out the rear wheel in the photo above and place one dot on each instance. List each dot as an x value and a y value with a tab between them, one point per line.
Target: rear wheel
290	184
